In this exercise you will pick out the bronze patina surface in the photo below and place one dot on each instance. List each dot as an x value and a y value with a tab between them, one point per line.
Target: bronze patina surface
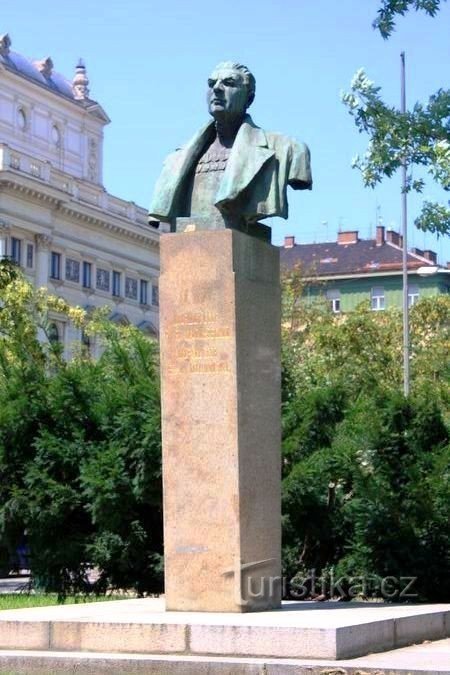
231	173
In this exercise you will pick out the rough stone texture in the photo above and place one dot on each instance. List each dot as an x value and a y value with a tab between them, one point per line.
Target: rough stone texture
425	659
220	364
24	635
298	631
285	642
119	637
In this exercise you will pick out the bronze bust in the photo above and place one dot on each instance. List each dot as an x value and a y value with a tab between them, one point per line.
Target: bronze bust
232	172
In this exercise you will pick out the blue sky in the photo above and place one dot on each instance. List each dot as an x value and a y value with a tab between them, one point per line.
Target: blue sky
148	62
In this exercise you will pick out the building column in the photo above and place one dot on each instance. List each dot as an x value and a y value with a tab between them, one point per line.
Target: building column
4	232
43	243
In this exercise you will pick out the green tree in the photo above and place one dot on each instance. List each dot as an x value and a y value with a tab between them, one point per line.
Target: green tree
420	137
79	447
365	471
390	9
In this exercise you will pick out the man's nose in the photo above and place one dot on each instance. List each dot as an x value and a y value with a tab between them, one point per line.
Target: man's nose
218	86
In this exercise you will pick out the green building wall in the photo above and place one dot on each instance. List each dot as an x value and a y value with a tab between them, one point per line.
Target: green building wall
353	291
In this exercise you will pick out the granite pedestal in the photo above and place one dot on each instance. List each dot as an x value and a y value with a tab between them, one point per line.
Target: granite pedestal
220	371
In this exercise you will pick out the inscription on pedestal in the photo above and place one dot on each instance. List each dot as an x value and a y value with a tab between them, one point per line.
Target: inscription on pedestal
197	350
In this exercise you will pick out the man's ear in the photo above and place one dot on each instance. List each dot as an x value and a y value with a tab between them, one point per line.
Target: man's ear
251	98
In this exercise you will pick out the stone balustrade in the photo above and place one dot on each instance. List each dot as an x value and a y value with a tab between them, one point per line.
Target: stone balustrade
80	190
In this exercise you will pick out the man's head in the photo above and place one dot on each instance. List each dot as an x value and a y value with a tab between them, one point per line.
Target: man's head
231	90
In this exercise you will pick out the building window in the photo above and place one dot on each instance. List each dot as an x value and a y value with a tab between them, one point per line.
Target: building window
103	277
55	265
131	288
155	296
53	333
56	136
116	284
30	255
143	292
72	270
377	298
87	275
21	119
334	298
413	294
86	341
16	250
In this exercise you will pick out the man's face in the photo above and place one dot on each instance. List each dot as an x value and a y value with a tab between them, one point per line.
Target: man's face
227	93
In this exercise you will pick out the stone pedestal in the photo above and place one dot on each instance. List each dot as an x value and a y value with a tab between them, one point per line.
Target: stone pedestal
220	366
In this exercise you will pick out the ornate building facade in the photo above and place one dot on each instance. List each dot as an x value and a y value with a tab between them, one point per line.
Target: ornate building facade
56	219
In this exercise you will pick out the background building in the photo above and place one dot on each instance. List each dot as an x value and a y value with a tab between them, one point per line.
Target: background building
56	218
352	270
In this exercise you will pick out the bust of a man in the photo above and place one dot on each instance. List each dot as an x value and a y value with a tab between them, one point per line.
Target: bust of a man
232	173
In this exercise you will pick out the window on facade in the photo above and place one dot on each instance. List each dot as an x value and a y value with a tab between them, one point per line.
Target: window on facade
55	265
16	250
155	296
87	275
56	136
131	288
21	119
116	283
413	294
53	333
86	341
30	255
73	270
143	292
334	298
377	298
103	279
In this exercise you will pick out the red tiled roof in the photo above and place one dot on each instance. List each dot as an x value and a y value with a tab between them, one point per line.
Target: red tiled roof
363	256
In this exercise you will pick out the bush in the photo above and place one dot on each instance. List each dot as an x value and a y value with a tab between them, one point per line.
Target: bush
366	471
80	449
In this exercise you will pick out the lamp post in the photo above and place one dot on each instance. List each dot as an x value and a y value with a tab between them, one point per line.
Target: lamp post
405	245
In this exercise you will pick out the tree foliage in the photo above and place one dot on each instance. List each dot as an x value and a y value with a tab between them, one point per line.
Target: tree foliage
79	447
366	472
419	137
391	9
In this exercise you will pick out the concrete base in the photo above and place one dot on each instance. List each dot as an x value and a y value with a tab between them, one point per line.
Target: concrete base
425	659
329	631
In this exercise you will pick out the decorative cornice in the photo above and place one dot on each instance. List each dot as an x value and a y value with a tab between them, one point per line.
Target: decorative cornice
43	241
74	211
4	227
30	191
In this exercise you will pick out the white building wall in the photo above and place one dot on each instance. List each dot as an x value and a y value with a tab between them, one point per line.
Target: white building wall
52	201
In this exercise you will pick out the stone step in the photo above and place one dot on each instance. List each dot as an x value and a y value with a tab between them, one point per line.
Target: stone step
425	659
300	630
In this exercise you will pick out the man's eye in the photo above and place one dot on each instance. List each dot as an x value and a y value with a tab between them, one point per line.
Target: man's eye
211	83
229	83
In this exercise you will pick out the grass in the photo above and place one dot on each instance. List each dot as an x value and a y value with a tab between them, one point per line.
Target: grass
24	600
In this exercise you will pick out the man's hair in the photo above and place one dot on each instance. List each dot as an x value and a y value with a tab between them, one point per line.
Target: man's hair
247	75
